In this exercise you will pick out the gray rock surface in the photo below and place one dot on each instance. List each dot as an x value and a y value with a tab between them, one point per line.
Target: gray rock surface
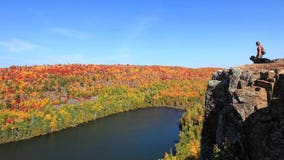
244	113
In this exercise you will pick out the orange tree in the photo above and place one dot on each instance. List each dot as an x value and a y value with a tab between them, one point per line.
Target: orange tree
35	100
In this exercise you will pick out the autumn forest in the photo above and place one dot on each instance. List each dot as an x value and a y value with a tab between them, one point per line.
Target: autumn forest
36	100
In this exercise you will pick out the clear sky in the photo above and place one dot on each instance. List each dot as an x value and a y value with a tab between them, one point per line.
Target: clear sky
190	33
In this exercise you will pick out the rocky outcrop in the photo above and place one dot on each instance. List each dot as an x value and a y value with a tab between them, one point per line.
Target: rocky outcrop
244	113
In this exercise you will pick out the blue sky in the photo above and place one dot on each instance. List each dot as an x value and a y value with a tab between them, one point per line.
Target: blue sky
190	33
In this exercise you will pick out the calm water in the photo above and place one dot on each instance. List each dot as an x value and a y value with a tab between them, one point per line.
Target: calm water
142	134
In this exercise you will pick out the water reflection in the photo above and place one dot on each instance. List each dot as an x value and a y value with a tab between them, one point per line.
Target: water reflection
141	134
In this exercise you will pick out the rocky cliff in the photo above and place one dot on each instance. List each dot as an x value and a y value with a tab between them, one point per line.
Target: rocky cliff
244	112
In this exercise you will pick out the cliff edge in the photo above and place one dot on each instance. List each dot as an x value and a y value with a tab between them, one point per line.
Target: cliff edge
244	113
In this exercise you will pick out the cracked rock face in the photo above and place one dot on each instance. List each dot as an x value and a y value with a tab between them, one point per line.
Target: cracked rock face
244	111
263	137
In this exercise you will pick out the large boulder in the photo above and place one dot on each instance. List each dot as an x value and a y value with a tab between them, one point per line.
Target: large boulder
243	113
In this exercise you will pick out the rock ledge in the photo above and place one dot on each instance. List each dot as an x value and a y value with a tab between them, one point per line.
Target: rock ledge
244	112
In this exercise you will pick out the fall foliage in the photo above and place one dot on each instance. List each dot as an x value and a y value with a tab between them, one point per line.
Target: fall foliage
36	100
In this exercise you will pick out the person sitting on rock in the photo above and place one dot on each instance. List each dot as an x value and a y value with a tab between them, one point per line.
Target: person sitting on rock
260	50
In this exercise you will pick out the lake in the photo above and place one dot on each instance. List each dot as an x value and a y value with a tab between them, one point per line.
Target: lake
144	134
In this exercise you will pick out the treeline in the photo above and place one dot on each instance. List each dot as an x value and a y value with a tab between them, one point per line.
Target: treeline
38	100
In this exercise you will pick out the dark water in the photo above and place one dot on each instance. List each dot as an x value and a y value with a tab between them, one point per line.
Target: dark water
142	134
